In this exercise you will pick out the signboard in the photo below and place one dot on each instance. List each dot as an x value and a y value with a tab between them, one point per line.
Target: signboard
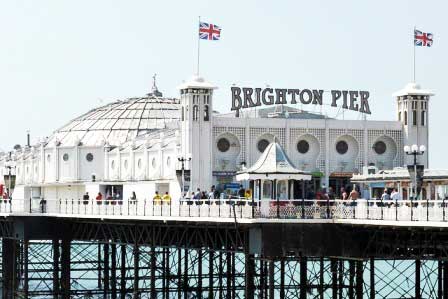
223	173
247	97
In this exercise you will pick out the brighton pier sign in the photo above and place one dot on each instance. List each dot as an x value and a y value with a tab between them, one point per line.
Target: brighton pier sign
246	97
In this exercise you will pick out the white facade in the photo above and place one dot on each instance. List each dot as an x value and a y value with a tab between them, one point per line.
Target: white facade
135	144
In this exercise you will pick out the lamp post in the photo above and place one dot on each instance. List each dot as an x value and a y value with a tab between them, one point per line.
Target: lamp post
9	165
415	151
182	160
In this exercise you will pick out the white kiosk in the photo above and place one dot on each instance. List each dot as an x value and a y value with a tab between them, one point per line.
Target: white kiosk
271	177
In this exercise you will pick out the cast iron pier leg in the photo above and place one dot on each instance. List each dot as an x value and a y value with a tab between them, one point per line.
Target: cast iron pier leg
321	278
65	268
359	279
56	255
199	295
26	245
210	274
123	272
271	280
334	277
372	278
113	267
249	269
445	280
303	275
106	270
153	273
136	271
417	279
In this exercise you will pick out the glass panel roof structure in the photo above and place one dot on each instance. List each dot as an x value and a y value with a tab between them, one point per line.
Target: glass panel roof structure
118	122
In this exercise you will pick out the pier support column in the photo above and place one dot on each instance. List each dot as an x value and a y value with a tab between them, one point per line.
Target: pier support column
136	271
26	245
445	280
8	267
271	280
65	268
153	273
351	279
282	278
179	274
56	256
228	276
199	274
123	271
211	256
417	279
303	276
334	278
113	269
321	278
372	278
106	270
249	275
359	279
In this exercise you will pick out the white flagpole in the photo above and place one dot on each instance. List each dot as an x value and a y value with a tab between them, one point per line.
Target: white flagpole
413	42
199	46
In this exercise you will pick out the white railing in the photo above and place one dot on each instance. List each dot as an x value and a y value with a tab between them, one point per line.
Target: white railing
401	210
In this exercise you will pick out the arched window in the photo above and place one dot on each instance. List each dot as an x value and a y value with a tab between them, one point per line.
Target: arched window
195	112
414	117
399	116
206	113
405	118
423	118
183	113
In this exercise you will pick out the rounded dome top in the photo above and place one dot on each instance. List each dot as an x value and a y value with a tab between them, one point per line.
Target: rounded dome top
118	122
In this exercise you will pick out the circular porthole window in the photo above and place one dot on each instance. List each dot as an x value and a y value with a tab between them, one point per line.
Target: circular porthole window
139	163
379	147
223	145
48	158
65	157
154	163
341	147
262	145
168	161
89	157
303	146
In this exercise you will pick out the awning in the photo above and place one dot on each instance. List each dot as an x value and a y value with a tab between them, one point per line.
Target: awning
273	165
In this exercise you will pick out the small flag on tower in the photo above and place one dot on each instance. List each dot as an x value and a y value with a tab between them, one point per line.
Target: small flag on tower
209	31
422	39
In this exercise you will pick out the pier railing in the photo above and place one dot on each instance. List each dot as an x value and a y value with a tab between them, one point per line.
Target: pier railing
399	210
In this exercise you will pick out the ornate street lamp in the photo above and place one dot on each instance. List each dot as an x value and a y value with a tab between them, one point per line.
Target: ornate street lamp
182	160
415	170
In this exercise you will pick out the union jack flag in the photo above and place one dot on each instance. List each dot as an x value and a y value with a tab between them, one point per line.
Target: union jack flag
422	39
209	31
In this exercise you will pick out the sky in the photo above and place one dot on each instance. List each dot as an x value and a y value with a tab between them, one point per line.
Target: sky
59	59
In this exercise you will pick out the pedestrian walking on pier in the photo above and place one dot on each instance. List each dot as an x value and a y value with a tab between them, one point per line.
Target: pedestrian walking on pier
166	199
85	198
133	198
99	198
157	199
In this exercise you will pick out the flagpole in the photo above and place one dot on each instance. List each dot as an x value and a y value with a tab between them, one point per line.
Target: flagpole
199	46
413	42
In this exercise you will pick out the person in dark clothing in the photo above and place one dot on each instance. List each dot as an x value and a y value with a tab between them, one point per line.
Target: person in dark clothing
85	198
241	192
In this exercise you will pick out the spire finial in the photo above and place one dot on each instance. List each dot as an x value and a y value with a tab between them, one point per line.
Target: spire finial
154	90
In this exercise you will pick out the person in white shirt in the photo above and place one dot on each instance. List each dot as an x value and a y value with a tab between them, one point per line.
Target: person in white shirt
395	195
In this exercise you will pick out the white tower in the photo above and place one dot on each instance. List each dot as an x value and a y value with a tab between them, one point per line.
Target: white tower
413	107
196	133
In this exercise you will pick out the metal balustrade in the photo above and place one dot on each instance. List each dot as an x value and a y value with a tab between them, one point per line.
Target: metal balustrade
401	210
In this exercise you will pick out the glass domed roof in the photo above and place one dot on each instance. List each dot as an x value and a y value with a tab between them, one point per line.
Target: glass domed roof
118	122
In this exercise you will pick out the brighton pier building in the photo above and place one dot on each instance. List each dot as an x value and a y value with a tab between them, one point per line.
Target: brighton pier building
134	145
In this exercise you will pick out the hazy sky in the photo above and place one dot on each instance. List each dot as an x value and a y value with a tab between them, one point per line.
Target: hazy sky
59	59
